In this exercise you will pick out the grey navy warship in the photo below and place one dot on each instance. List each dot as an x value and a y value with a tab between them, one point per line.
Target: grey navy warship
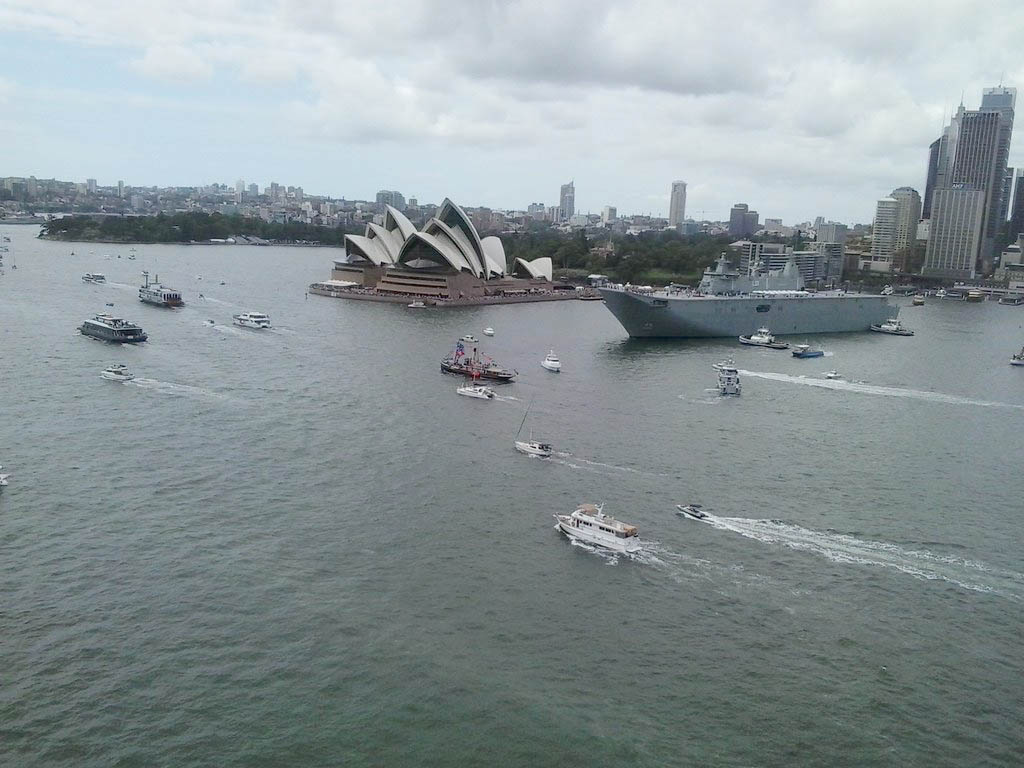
730	303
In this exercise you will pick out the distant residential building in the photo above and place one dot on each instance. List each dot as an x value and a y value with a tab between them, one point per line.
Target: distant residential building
738	222
536	210
774	225
677	204
90	185
120	189
239	190
831	232
254	191
608	214
567	200
895	224
138	202
391	197
579	220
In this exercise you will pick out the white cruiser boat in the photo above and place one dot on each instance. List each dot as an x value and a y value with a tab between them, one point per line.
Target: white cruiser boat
588	523
763	338
893	327
469	339
160	295
726	363
252	320
833	374
94	277
551	362
117	372
1018	359
488	331
728	380
476	390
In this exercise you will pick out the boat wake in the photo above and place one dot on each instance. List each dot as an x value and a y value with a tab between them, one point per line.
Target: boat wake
212	300
863	388
170	388
567	458
230	329
844	548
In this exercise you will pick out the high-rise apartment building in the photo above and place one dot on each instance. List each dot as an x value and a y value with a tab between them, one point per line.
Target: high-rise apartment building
91	186
567	200
677	204
120	188
830	232
895	224
254	191
742	221
391	197
609	214
967	164
1017	209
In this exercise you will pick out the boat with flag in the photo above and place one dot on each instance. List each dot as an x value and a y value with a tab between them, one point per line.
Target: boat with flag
474	365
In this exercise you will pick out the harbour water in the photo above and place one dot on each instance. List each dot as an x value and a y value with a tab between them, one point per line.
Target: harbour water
299	547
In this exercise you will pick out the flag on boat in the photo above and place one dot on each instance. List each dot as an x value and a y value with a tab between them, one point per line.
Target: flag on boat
459	350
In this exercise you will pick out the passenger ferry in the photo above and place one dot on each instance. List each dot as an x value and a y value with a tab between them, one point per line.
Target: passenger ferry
94	277
252	320
589	523
114	329
160	295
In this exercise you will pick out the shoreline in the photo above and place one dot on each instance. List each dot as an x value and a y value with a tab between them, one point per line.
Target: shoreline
469	301
189	242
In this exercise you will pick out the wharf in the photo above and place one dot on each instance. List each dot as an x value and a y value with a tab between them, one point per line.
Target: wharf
369	294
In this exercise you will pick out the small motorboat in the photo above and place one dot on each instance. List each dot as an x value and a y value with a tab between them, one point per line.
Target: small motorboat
488	331
1018	359
763	338
476	390
3	480
893	327
117	372
833	374
416	305
917	301
806	350
469	339
110	303
589	523
551	362
692	510
534	448
727	363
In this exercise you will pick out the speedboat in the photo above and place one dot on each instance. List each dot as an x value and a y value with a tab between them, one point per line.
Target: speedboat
117	372
728	381
488	331
763	338
806	350
917	301
1018	359
94	277
475	390
727	363
833	374
892	326
551	362
692	510
252	320
534	448
589	523
469	339
416	305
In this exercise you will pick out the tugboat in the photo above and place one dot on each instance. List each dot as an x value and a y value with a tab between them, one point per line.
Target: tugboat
763	338
728	381
806	350
475	365
159	295
893	327
589	523
109	328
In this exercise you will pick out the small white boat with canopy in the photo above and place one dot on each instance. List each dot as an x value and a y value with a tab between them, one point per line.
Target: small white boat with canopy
588	523
551	362
477	391
117	372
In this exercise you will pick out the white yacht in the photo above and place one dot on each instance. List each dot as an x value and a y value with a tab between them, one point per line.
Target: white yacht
117	372
94	277
893	327
469	339
476	390
252	320
1018	359
534	448
488	331
551	362
589	523
728	380
833	374
763	338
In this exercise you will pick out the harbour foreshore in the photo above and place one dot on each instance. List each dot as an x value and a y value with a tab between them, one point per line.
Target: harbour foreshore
369	294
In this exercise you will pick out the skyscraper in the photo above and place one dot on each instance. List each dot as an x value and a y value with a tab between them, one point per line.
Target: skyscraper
970	176
567	200
738	220
895	225
677	204
1017	210
120	188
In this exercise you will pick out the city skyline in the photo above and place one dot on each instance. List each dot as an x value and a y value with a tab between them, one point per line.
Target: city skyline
173	94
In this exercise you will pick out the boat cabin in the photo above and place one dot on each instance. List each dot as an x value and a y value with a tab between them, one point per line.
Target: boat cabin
591	516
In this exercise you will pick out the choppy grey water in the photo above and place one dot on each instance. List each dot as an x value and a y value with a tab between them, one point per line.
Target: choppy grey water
299	547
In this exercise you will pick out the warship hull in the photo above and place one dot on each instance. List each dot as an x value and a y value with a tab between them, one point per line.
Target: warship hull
646	315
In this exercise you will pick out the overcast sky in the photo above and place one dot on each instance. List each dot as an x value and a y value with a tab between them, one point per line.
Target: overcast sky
798	108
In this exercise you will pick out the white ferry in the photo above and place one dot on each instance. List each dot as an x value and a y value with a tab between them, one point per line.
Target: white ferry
588	523
252	320
94	277
160	295
109	328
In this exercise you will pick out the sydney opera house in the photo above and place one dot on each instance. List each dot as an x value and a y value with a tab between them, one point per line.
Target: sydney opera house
446	260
